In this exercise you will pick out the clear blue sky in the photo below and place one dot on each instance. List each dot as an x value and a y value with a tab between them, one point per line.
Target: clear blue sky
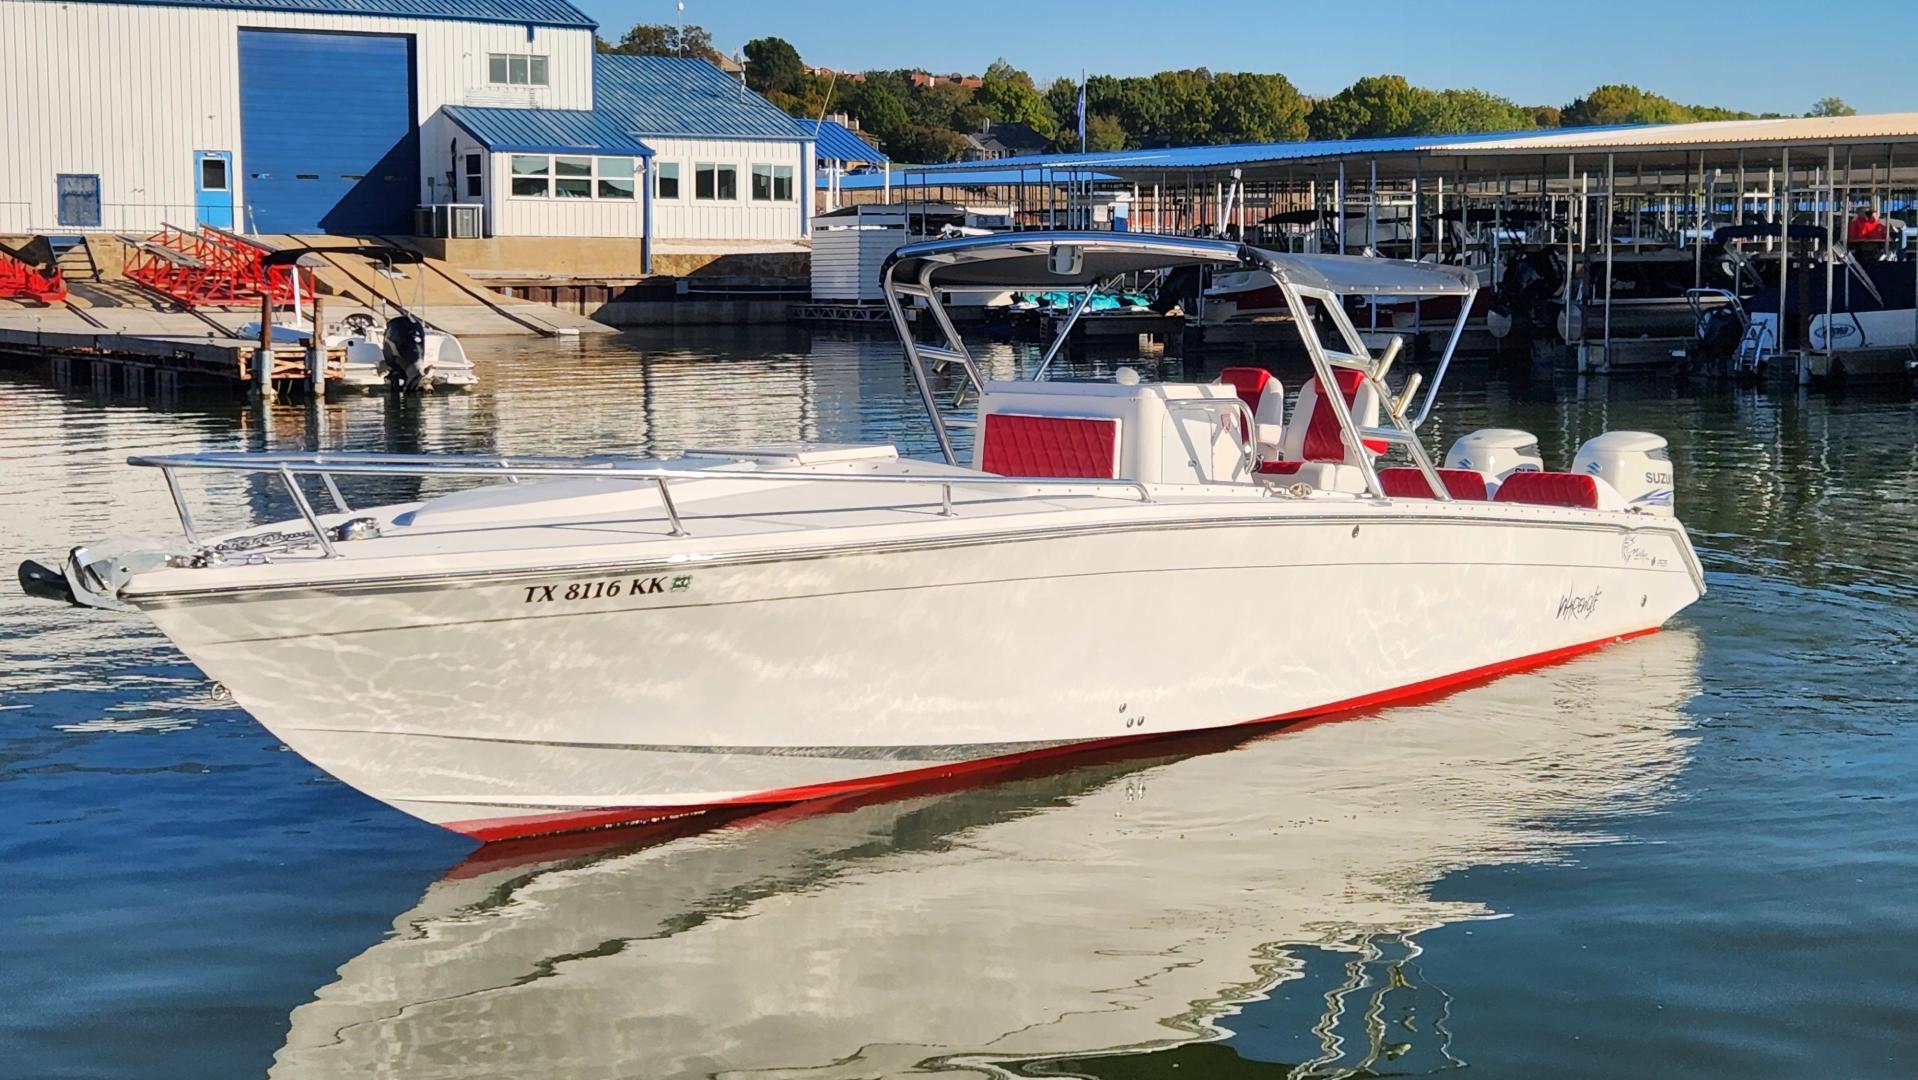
1760	55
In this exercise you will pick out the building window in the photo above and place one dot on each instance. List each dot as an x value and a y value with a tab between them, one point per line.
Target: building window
212	174
574	178
667	184
530	175
537	176
712	181
516	69
616	178
473	188
772	183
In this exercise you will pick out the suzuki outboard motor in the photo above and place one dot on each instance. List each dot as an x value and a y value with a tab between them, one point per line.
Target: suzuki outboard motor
1637	463
1495	453
405	352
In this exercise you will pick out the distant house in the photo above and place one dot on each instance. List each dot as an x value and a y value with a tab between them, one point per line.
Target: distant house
921	78
846	76
1005	140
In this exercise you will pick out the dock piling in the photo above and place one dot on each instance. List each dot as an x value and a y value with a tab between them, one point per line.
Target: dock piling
316	354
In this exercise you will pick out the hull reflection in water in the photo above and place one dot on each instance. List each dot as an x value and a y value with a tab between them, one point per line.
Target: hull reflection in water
1113	907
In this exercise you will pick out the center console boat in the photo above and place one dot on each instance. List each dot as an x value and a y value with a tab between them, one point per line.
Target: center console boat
584	643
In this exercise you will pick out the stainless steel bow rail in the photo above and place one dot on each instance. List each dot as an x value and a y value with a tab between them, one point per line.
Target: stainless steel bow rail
291	467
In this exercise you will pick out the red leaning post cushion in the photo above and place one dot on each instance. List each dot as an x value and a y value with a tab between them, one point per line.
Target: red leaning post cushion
1072	447
1407	483
1550	489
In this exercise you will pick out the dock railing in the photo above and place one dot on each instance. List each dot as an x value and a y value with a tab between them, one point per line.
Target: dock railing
290	467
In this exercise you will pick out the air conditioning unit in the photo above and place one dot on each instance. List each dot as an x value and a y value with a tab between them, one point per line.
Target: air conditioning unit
467	221
458	221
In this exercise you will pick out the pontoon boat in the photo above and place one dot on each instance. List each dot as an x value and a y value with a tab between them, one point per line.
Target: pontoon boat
592	643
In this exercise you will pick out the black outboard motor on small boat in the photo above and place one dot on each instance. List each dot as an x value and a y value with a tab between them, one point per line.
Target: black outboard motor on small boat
404	348
1720	329
1520	307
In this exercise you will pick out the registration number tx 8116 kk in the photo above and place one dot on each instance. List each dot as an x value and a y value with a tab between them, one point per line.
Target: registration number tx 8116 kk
607	588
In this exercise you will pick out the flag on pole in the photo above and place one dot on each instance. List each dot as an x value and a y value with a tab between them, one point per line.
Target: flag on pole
1082	112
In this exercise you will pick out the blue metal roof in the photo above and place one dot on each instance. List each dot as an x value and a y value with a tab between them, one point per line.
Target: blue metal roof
547	131
837	142
516	12
977	176
685	97
1225	156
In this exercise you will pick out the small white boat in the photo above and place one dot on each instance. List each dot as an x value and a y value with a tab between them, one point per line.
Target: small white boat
369	366
401	352
607	642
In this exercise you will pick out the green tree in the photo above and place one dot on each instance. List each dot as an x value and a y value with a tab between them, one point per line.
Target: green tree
883	115
1104	133
929	144
663	39
1187	106
1831	106
1062	99
1714	112
1009	96
1618	103
1455	112
772	65
1257	108
1546	116
1374	105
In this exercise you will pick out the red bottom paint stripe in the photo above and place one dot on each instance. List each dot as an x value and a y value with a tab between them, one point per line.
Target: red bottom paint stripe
507	828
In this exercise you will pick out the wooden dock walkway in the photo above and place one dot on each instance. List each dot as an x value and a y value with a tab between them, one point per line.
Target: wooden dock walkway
143	363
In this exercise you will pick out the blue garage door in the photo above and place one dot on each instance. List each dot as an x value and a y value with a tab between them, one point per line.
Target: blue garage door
327	137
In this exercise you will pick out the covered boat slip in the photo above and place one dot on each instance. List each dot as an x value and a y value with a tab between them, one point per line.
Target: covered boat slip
1580	198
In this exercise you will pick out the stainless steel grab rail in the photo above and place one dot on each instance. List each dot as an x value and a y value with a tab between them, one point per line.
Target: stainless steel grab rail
290	467
1249	437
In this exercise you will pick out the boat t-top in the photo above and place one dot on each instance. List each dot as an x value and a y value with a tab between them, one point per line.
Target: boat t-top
576	643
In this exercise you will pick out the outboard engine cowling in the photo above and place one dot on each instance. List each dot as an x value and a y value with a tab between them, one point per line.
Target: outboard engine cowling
1495	453
1637	463
404	350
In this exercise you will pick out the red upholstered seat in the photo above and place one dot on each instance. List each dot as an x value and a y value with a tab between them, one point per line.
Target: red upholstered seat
1322	442
1549	489
1077	447
1408	483
1249	383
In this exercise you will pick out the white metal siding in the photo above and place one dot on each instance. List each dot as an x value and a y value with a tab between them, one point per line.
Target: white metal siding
130	92
846	262
687	218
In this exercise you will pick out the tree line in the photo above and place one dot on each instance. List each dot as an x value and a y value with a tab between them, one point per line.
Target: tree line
914	121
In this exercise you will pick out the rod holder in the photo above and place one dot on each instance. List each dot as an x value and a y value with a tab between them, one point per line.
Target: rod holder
1386	355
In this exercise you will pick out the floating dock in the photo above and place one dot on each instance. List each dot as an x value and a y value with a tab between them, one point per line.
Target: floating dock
158	365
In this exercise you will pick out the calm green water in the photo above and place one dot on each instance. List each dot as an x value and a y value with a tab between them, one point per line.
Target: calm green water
1689	855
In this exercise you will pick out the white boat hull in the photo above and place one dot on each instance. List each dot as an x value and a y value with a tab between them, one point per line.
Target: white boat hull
495	706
